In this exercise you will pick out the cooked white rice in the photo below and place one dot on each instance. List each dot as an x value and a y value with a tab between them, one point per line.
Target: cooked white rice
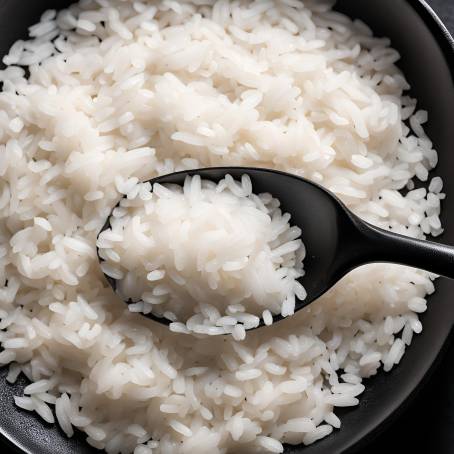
203	253
121	91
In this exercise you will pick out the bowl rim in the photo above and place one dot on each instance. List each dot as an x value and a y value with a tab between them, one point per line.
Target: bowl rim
367	433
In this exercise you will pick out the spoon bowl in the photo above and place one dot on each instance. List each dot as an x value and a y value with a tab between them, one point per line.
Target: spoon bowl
336	240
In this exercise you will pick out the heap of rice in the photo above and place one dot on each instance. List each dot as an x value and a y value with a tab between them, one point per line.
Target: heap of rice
121	91
212	258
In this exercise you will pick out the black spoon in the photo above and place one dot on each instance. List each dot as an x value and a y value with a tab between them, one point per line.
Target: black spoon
337	241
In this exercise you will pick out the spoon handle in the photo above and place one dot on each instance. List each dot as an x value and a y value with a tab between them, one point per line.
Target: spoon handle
384	246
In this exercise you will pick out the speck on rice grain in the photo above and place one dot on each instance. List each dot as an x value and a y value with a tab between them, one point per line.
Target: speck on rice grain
122	91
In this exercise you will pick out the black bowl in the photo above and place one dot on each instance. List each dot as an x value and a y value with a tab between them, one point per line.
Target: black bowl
428	62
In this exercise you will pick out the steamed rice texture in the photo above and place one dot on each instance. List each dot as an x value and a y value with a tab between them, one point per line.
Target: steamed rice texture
121	91
211	258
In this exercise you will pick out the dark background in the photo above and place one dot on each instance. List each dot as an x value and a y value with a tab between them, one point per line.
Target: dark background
426	425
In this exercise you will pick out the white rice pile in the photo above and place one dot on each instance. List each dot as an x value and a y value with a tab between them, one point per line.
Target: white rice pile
121	91
211	258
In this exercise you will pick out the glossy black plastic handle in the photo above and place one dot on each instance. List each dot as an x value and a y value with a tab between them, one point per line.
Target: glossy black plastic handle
384	246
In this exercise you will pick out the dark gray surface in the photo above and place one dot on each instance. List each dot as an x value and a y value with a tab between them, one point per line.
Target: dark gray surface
427	425
445	9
